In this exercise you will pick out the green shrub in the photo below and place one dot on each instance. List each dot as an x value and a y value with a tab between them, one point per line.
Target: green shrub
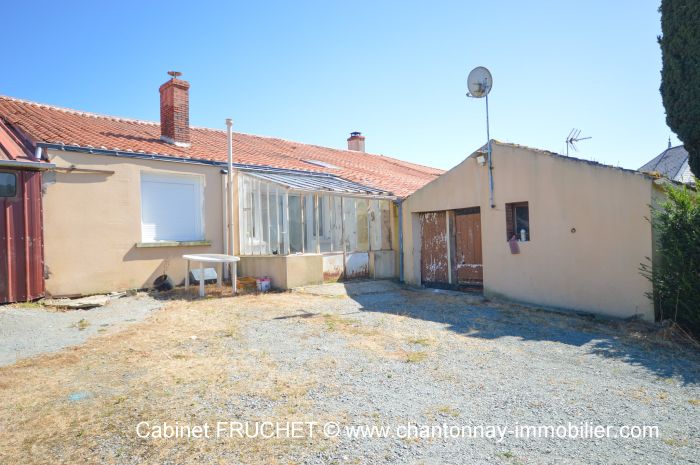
676	272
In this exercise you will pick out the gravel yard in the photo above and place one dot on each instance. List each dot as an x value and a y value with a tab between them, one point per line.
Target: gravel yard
362	354
29	330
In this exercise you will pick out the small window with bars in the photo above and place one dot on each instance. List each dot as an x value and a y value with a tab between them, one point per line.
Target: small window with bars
518	221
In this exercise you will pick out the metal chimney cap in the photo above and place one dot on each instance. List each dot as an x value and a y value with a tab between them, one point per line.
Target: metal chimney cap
175	74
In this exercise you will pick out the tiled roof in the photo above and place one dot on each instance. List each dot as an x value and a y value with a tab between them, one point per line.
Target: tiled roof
50	124
672	163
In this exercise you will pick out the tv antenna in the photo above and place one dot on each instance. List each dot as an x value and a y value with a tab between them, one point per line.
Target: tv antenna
573	137
479	83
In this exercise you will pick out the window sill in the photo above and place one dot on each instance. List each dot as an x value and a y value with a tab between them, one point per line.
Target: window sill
146	245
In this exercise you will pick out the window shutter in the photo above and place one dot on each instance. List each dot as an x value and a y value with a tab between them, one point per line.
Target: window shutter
171	208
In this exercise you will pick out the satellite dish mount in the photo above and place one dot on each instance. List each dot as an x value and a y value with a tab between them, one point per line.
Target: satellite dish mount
479	83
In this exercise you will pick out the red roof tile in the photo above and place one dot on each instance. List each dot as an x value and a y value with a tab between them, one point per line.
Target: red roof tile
50	124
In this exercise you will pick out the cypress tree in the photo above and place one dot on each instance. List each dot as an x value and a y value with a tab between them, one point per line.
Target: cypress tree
680	75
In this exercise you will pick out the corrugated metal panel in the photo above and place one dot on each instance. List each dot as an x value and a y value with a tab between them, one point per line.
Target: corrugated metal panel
315	183
21	240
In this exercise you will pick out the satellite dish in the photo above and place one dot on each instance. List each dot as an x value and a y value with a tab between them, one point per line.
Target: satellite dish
479	82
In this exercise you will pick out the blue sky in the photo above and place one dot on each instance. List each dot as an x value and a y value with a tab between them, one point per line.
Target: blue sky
313	71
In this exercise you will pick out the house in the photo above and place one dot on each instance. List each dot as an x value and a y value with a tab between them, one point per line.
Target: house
671	163
562	232
125	199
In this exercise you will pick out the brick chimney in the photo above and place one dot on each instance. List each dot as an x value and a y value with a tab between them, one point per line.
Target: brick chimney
175	111
356	142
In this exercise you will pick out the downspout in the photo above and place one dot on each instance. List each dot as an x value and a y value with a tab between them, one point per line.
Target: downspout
399	204
229	192
224	216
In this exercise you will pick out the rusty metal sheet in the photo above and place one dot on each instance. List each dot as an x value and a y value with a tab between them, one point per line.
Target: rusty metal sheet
433	257
21	240
357	265
333	267
468	262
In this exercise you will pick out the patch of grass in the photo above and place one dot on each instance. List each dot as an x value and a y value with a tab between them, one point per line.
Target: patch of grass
421	341
336	323
675	442
694	401
81	324
416	357
506	455
447	410
28	305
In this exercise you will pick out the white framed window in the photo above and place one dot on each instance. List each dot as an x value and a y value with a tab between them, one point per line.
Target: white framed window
172	207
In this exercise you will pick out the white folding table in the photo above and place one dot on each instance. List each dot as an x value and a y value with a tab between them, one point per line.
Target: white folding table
221	259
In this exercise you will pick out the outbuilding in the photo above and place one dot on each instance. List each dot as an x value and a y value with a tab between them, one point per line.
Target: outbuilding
560	232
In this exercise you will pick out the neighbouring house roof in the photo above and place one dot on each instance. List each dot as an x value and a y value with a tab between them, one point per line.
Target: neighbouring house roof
54	125
671	163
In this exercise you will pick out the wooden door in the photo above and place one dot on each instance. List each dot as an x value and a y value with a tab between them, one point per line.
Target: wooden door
467	258
433	254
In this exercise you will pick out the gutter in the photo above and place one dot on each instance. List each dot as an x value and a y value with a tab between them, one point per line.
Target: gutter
33	165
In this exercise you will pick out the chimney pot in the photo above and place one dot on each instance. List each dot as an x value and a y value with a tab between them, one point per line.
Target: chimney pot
175	111
356	142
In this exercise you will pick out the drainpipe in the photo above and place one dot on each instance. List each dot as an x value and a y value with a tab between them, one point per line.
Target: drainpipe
224	216
229	192
399	204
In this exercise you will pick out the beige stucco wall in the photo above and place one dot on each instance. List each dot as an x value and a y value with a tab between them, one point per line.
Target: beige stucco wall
594	269
92	222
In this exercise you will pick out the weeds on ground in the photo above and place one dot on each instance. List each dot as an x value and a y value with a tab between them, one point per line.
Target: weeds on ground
415	357
81	324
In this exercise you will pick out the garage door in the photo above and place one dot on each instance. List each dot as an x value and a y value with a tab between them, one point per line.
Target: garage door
433	257
468	262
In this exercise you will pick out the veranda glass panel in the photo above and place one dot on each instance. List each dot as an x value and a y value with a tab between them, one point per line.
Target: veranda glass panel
274	209
386	222
310	224
325	223
361	212
336	223
246	215
264	237
349	224
296	224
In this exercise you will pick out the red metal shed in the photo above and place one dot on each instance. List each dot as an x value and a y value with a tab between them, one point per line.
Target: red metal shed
21	230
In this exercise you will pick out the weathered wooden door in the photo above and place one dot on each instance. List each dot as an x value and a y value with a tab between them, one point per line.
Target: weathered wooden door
433	254
468	263
21	236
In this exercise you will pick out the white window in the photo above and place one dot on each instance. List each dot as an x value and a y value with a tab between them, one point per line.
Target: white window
171	208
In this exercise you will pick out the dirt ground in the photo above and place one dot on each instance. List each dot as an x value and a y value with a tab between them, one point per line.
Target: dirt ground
365	354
